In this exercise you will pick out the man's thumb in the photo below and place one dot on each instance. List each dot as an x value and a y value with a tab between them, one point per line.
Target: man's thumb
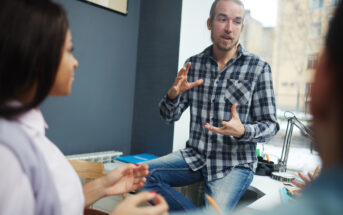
234	111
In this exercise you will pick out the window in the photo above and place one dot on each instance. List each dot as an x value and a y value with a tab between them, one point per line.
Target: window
316	29
317	4
334	2
311	61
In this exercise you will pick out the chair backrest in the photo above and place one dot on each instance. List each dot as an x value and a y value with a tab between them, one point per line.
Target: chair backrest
88	170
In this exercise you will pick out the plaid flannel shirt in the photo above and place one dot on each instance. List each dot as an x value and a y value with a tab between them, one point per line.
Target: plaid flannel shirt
246	80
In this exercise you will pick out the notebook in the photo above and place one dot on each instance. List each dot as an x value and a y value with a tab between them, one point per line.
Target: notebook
136	158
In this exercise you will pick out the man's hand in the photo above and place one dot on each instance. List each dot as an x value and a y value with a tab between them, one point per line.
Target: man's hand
234	127
125	178
131	205
181	83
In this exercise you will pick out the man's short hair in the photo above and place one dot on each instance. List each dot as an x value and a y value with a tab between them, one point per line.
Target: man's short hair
214	4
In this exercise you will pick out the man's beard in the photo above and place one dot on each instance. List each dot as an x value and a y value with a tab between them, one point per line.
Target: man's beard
222	48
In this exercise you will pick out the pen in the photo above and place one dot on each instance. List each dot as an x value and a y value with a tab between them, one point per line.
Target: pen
315	171
267	156
214	204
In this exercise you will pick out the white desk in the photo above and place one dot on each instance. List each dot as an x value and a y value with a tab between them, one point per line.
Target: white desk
272	192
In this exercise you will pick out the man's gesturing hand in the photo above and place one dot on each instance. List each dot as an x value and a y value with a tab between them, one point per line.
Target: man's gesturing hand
181	83
234	127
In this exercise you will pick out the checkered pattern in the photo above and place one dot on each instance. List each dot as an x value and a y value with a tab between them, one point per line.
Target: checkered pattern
246	80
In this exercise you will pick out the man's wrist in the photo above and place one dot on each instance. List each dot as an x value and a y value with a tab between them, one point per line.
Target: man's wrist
247	133
172	99
171	96
242	133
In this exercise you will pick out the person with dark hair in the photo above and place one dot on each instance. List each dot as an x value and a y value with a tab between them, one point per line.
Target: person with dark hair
36	61
232	107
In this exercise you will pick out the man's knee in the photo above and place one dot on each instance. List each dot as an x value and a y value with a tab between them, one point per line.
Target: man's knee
153	177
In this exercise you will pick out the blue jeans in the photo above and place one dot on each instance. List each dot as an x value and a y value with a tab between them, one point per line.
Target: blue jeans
172	171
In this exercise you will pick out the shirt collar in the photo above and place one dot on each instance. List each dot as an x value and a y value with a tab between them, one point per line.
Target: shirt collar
33	119
241	51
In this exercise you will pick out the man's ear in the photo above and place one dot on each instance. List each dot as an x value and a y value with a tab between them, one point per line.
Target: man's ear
209	24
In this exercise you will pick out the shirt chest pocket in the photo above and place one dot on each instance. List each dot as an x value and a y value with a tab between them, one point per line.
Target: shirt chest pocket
237	91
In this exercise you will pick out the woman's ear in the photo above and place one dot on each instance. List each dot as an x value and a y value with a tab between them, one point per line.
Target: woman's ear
322	88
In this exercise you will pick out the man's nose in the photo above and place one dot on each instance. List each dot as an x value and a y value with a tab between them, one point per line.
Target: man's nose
228	26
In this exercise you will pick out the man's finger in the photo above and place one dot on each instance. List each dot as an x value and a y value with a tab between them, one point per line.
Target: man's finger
225	123
187	67
213	129
184	70
234	111
195	84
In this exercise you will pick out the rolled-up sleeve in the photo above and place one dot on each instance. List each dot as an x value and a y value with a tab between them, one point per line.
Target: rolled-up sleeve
171	110
264	121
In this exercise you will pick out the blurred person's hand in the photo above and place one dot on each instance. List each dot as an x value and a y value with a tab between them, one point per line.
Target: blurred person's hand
125	178
306	181
130	206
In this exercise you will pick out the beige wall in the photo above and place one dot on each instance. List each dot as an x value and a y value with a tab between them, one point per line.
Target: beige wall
288	45
295	40
257	39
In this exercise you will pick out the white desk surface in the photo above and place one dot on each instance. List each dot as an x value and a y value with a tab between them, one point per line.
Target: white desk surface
272	190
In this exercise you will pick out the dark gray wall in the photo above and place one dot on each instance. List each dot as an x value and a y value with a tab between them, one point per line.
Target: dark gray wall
126	65
97	116
157	64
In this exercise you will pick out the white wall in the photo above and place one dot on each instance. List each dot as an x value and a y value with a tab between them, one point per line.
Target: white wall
194	38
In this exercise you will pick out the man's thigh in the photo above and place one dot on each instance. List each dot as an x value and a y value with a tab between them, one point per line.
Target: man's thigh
172	170
228	190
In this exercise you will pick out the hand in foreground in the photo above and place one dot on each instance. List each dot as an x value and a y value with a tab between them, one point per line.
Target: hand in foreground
130	205
234	127
125	178
306	180
181	83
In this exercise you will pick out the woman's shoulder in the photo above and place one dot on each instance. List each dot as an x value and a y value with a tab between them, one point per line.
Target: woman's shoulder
16	191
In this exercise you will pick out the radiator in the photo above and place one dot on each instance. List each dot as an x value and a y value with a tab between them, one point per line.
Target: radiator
104	157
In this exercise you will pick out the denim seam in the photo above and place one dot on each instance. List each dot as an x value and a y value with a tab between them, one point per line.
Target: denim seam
172	195
169	169
245	184
162	185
